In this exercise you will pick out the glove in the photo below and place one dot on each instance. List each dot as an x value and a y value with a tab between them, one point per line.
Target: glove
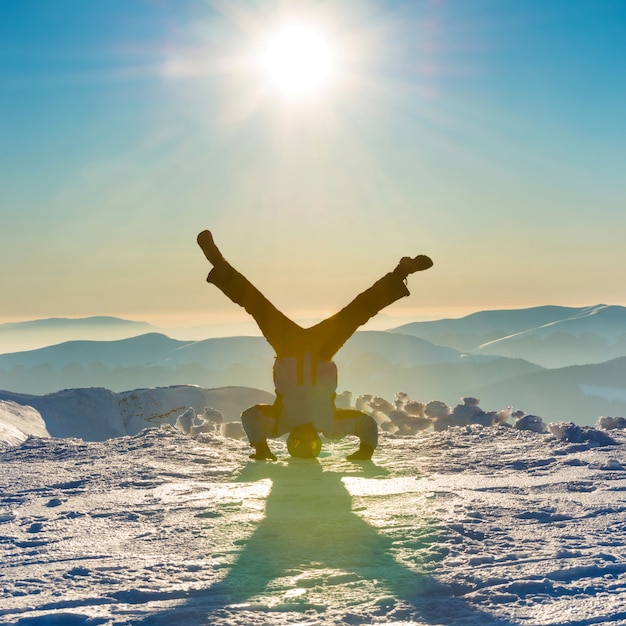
262	452
364	453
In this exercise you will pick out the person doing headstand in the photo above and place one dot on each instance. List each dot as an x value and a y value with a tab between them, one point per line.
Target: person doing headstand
305	376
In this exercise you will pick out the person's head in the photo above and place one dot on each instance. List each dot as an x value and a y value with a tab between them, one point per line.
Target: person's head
304	442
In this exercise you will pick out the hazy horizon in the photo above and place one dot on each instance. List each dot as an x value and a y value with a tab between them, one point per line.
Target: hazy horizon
239	325
239	319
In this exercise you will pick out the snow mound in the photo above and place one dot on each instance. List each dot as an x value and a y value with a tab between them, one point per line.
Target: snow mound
18	422
408	417
571	433
530	422
609	423
464	414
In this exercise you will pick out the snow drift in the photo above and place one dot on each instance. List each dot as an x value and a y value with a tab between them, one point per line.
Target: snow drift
18	422
96	414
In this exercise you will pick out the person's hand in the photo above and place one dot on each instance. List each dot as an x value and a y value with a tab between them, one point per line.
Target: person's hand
364	453
263	453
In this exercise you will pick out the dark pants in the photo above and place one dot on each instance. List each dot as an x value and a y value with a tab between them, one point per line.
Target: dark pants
322	340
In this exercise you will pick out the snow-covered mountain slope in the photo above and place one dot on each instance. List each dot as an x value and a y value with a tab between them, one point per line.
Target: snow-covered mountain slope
95	414
145	361
550	336
472	526
154	359
134	351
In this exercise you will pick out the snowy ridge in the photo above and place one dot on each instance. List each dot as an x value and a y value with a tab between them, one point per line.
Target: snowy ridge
550	336
96	414
466	527
586	312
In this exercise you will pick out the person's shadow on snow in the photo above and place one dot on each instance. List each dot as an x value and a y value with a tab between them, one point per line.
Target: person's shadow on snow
311	537
309	528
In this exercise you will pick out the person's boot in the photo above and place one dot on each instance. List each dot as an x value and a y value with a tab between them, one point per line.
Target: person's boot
364	453
408	265
211	251
262	452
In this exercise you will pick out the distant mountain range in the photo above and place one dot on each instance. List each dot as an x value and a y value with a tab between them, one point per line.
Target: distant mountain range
151	360
33	334
551	336
156	360
557	362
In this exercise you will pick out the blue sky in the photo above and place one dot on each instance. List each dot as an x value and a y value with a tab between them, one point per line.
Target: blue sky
489	134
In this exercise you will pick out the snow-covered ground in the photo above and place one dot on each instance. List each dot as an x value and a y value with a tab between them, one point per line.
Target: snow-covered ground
472	525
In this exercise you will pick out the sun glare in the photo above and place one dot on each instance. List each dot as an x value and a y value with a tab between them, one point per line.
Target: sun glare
298	61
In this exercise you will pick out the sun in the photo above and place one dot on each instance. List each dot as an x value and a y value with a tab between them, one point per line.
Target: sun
298	61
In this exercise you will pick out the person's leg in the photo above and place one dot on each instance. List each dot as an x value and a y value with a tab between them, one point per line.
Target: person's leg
353	422
330	334
276	327
260	422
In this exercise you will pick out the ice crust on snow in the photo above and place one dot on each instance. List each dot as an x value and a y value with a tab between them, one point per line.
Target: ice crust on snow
462	519
469	526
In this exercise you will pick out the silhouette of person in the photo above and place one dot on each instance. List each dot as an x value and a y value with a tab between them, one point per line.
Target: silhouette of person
314	551
306	501
305	377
